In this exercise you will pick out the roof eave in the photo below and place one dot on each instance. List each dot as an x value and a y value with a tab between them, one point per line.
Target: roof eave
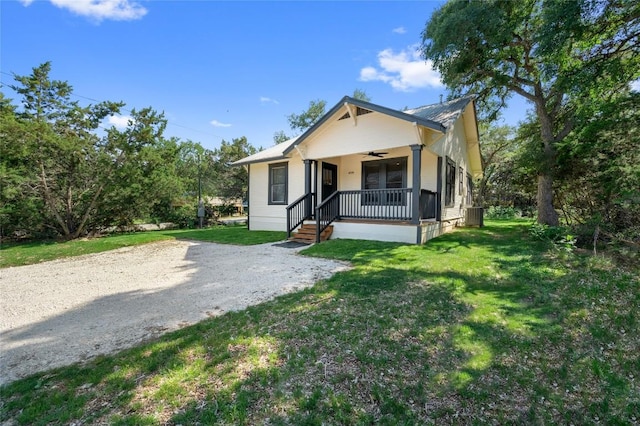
260	160
366	105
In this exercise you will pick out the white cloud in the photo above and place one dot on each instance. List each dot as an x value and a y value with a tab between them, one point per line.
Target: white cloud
635	85
404	71
216	123
399	30
118	10
119	121
265	100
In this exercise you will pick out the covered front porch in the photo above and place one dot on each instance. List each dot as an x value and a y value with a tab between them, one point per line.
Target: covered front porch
390	195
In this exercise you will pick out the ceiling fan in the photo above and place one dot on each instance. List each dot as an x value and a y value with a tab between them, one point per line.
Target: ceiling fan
376	154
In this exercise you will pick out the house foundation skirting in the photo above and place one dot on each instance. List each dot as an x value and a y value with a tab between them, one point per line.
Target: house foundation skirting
399	232
428	230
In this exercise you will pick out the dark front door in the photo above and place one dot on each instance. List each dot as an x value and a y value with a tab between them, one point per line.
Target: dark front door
329	179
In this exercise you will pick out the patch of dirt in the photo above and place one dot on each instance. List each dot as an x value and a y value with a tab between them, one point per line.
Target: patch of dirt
65	311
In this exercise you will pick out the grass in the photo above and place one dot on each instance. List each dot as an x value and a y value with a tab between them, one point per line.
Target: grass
481	326
35	252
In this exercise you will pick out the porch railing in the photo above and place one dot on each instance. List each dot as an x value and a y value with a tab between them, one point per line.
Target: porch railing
428	204
374	204
326	213
298	211
389	204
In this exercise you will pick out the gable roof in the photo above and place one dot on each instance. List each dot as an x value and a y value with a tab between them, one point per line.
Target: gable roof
445	113
438	117
269	154
426	122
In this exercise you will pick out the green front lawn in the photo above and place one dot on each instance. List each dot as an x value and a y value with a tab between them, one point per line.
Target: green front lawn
35	252
478	326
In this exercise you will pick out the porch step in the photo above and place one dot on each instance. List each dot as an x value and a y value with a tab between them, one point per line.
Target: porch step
307	233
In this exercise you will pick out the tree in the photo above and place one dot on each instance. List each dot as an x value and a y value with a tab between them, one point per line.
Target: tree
18	209
280	136
556	54
307	118
232	182
78	179
600	167
361	95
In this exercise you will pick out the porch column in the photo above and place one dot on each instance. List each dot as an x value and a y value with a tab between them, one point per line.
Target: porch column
439	191
316	201
416	151
307	186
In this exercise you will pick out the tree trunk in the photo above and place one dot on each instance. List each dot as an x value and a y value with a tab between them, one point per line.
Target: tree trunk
547	214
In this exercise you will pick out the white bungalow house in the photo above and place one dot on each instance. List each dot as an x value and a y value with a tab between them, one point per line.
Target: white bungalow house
370	172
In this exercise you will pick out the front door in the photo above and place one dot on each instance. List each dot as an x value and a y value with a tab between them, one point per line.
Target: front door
329	179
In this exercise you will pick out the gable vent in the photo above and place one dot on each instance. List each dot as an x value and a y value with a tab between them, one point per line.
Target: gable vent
359	111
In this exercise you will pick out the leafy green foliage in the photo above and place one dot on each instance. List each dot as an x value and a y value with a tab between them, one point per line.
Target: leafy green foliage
507	179
307	118
81	181
361	95
600	164
502	212
64	177
557	55
280	136
232	182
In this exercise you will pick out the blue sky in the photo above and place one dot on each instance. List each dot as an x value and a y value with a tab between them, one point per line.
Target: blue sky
221	70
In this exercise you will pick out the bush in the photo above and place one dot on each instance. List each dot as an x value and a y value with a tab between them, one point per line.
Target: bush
558	236
185	216
502	212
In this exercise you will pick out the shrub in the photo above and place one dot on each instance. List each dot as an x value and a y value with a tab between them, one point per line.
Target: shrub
558	236
502	212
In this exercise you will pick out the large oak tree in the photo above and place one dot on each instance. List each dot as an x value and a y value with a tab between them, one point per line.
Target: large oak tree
556	54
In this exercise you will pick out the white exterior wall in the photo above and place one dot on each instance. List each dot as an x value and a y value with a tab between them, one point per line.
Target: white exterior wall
265	217
454	146
375	232
373	132
429	169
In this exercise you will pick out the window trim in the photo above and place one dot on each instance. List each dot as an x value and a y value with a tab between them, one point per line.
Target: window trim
469	190
284	165
461	180
450	183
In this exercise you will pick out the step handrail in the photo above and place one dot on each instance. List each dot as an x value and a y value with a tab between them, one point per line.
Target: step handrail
326	213
298	211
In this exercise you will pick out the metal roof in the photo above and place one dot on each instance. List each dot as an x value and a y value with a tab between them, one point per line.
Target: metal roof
276	152
445	113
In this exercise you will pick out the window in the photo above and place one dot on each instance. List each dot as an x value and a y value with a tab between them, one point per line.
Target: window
450	183
384	174
469	190
278	183
460	180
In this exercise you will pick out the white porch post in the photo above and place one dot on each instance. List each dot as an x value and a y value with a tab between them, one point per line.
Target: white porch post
416	151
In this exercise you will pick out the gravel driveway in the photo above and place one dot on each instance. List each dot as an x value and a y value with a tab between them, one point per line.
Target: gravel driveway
60	312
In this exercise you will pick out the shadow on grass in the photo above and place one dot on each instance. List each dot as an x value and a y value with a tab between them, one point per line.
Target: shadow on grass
472	327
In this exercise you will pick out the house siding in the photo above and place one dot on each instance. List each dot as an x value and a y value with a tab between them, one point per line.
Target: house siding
272	217
453	145
373	132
